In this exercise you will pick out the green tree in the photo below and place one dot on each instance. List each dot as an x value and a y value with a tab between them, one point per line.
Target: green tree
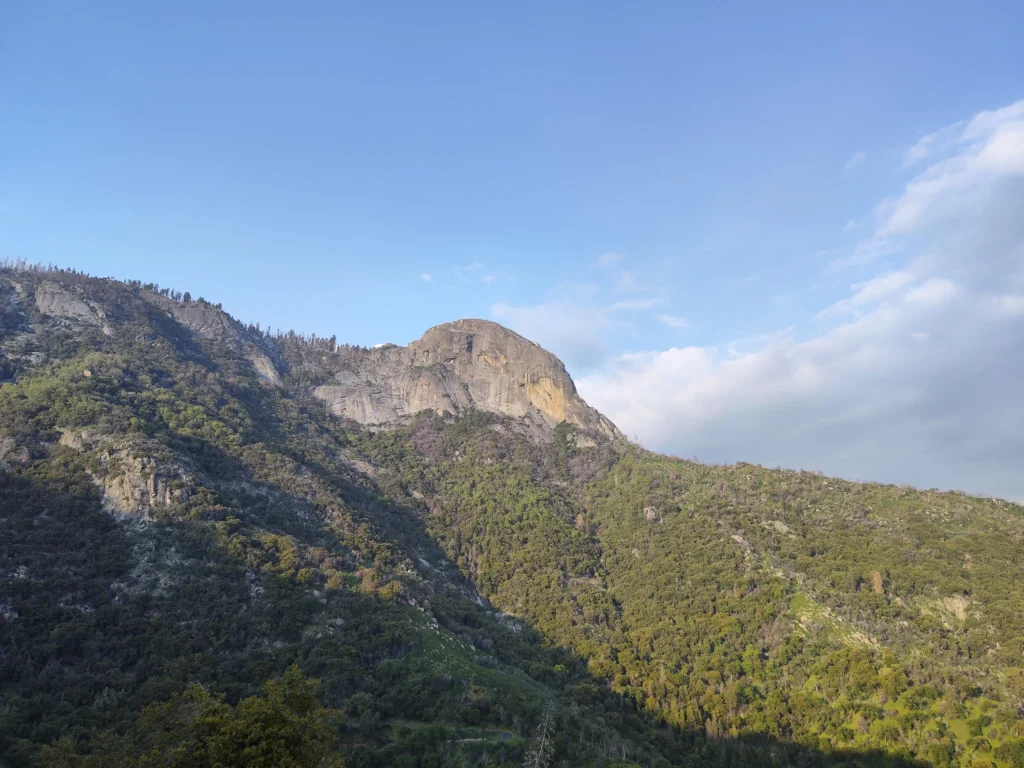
285	727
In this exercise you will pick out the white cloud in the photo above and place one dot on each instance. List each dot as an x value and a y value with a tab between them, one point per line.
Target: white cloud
984	122
426	278
869	293
857	158
969	196
932	144
946	139
933	292
874	398
674	321
988	151
609	259
850	225
915	376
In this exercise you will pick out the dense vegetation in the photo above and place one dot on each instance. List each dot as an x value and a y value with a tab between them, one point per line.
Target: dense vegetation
199	567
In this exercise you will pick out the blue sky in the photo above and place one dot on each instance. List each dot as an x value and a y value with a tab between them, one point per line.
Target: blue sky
620	182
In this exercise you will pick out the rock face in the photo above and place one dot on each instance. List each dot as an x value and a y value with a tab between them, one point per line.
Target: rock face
454	367
264	367
143	485
210	322
203	320
53	300
138	476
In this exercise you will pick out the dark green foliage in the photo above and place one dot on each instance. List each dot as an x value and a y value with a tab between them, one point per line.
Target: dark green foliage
285	727
174	532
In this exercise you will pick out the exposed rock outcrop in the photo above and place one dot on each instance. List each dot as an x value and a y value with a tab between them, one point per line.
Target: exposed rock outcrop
138	476
141	485
264	367
11	452
204	320
455	367
53	300
211	322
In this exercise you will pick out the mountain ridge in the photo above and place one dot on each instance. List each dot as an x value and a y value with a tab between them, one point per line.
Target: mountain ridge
460	582
386	385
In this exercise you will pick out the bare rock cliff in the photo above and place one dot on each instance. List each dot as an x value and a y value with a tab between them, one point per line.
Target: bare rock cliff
136	476
53	300
454	367
210	322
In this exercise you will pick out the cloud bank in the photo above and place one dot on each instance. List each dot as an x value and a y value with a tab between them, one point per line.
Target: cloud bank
917	376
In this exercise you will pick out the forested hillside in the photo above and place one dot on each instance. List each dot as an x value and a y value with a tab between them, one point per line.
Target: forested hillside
200	565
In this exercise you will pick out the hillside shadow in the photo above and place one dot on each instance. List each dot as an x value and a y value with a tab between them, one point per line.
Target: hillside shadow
101	615
636	736
631	735
53	525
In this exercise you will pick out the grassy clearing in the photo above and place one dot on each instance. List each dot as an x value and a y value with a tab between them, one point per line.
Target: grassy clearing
442	653
813	616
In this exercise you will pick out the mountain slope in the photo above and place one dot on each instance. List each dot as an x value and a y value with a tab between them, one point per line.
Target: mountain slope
179	504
